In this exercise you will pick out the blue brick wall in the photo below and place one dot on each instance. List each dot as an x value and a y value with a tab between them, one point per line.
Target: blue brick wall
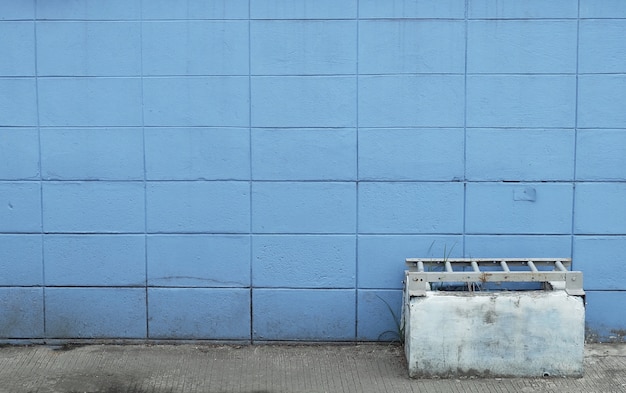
259	169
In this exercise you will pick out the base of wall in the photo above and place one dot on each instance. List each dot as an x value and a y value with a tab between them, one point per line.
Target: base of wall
504	334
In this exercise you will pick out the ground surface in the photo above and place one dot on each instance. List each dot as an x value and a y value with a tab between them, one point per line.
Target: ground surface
266	369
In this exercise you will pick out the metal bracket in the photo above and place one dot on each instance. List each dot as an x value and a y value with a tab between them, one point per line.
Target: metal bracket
423	271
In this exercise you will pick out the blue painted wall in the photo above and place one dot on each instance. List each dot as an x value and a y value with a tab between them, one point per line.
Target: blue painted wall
259	169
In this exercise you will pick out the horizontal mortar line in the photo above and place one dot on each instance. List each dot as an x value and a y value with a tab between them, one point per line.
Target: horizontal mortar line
83	233
514	128
141	181
3	233
286	75
22	286
573	181
328	19
467	181
258	180
257	233
490	127
352	75
20	126
461	233
393	181
254	234
410	233
602	73
234	288
193	127
153	286
541	73
570	74
294	75
307	127
541	19
148	286
303	233
344	234
138	234
601	235
582	180
340	181
345	180
242	19
143	233
93	286
601	128
139	76
78	180
316	181
291	288
76	76
602	18
565	236
151	339
19	340
517	234
126	20
521	181
191	76
100	127
349	339
27	181
196	180
356	18
487	127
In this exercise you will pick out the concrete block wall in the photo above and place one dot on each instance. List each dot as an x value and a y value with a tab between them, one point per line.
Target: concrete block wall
259	169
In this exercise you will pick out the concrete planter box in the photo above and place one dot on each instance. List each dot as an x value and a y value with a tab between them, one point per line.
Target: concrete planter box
494	333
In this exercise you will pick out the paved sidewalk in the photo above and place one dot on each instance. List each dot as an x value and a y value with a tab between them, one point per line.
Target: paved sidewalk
376	368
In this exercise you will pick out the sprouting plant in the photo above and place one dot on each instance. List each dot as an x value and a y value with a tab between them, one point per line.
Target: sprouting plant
399	325
446	256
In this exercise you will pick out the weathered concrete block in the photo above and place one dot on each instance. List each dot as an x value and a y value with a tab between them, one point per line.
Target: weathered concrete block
513	334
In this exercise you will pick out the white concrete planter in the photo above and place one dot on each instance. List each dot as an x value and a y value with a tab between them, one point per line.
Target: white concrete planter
494	333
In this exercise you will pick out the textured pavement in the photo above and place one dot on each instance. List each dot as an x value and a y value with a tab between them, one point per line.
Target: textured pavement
267	369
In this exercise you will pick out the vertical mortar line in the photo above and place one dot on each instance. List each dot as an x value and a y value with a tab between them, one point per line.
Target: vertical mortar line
39	167
466	31
145	183
356	229
575	137
250	256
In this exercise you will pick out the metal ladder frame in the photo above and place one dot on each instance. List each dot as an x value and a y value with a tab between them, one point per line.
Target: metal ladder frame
422	271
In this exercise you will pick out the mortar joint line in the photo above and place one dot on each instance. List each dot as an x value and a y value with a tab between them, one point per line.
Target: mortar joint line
574	175
250	181
40	169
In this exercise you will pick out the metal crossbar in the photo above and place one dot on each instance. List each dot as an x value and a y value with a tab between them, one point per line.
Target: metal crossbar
553	272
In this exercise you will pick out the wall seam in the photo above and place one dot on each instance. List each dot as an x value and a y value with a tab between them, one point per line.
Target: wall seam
574	174
356	184
250	236
465	182
39	167
145	177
